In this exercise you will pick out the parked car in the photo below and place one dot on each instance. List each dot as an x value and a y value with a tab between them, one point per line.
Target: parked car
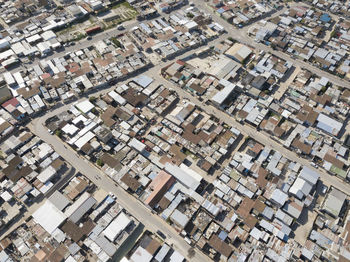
161	234
314	165
324	189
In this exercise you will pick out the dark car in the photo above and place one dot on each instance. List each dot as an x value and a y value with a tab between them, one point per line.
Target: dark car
161	234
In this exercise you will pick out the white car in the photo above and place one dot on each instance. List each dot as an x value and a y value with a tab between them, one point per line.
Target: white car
112	195
314	165
324	189
188	240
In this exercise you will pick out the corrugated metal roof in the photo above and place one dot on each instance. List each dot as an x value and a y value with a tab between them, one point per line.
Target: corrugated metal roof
59	200
81	211
143	80
162	253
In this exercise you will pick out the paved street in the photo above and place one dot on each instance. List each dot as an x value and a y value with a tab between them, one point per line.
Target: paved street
237	34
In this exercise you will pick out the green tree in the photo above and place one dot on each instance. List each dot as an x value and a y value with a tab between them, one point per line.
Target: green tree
323	90
95	111
92	99
116	42
99	162
190	15
333	33
58	133
231	39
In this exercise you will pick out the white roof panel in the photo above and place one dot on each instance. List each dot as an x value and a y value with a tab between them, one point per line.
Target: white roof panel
182	176
85	106
136	144
118	98
116	226
84	139
48	217
46	174
141	255
309	175
222	95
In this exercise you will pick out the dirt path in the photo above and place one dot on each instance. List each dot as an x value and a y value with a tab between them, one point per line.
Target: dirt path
284	86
